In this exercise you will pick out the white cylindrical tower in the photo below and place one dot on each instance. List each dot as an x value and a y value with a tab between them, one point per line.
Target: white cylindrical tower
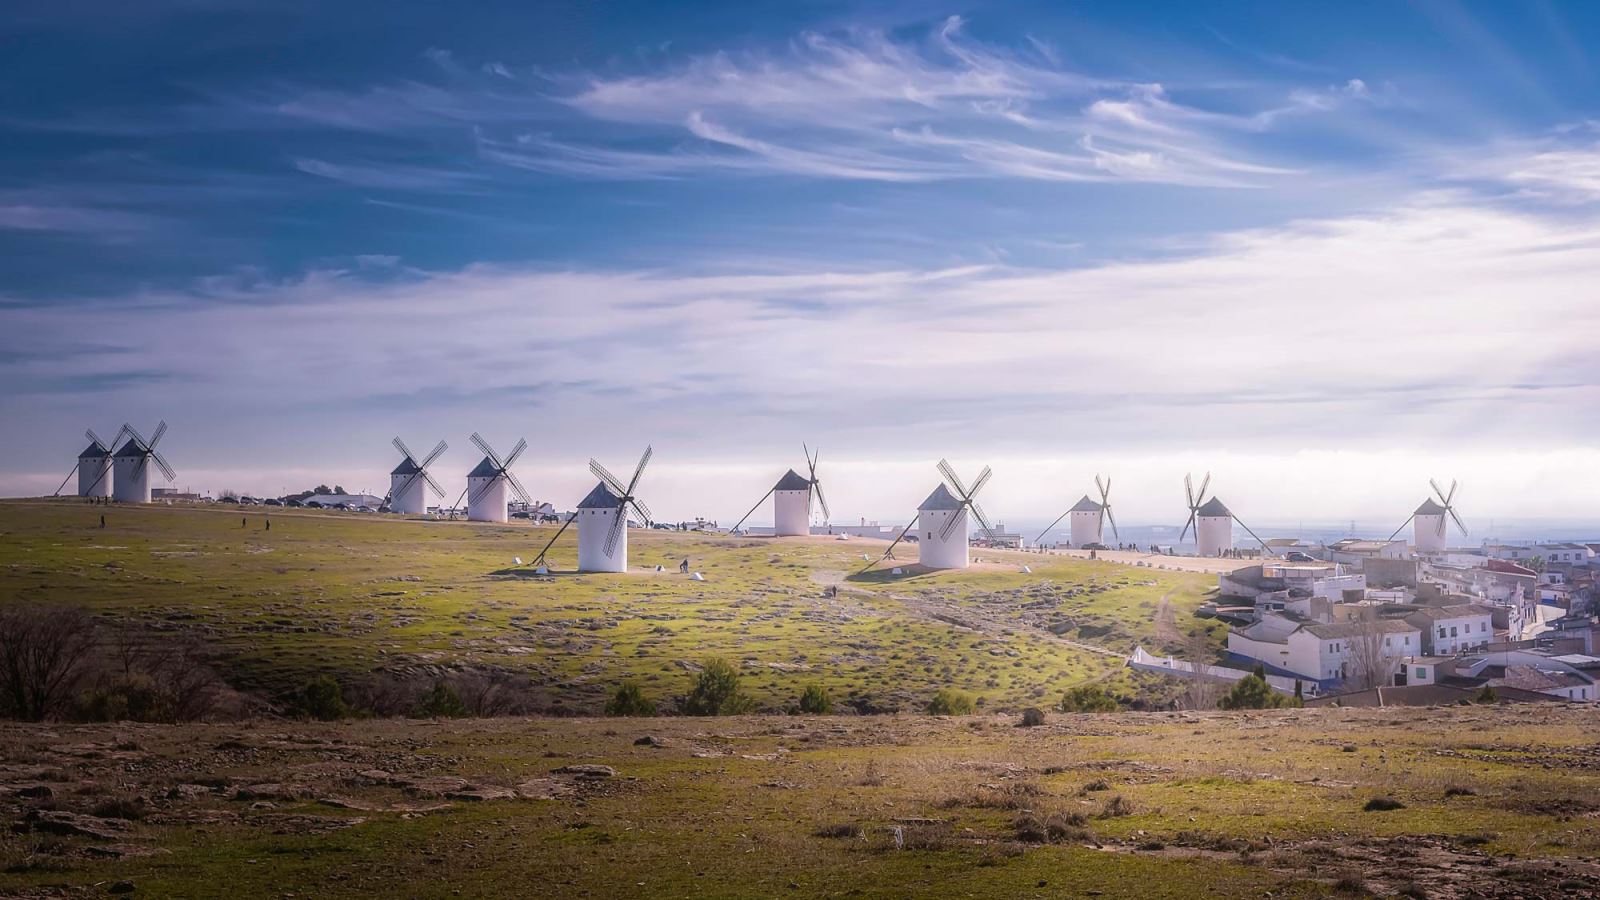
408	490
1428	533
1213	528
1086	518
130	475
791	505
597	514
94	471
486	494
934	551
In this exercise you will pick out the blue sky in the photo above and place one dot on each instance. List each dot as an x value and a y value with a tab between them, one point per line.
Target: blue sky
1355	241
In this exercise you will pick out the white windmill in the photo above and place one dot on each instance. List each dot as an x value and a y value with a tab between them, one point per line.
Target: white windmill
1429	531
93	467
791	499
410	481
1212	521
489	481
603	520
131	466
1088	517
941	521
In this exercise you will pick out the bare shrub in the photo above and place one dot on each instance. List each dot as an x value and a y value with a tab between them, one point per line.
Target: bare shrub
1053	828
840	830
1116	807
45	654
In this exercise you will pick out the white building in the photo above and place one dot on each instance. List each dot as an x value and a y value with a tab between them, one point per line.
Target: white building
1356	551
1428	527
597	515
1323	652
1213	528
486	493
1087	519
94	471
791	505
938	552
130	474
1448	630
408	489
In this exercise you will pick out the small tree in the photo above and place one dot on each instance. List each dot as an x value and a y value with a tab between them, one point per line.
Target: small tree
44	654
1487	695
951	702
1253	692
322	698
441	702
629	700
1088	698
815	700
716	692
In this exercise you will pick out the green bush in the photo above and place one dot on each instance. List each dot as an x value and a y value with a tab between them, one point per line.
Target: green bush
629	700
1032	717
1487	695
441	702
716	692
1253	692
322	698
815	700
950	702
1088	698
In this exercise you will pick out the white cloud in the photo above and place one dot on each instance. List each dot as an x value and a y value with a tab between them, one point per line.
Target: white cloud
1434	330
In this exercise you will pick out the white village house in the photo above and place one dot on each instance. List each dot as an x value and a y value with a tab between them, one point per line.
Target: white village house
1448	630
1322	652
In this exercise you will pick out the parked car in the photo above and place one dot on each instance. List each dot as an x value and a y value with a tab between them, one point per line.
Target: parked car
271	502
1297	556
343	507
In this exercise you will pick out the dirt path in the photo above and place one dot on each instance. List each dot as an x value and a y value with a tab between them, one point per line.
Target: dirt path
1166	629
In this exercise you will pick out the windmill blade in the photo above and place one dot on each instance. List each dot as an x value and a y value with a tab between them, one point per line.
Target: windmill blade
811	461
754	508
517	488
70	473
951	476
894	543
1457	520
405	485
1264	548
1105	490
609	479
1438	490
1402	526
1106	508
156	438
161	462
404	450
134	433
144	461
1050	526
522	444
817	485
983	519
645	518
1188	489
983	479
1450	497
539	560
1190	524
95	438
483	489
950	523
1205	483
488	451
1440	528
618	526
639	472
433	454
437	490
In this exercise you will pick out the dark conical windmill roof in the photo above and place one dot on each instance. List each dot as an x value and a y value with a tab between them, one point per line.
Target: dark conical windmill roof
602	497
408	466
1214	507
95	450
1086	505
130	450
484	469
940	499
1429	508
791	481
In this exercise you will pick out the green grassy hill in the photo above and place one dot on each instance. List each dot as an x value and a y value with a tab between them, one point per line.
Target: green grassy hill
360	596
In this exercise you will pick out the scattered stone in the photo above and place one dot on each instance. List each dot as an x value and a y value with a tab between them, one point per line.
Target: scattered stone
587	771
187	791
120	887
479	795
59	821
647	741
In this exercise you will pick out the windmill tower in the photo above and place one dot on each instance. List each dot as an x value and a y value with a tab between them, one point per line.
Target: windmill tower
130	467
410	481
93	467
1088	518
792	496
1429	530
1212	521
942	541
603	519
488	483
